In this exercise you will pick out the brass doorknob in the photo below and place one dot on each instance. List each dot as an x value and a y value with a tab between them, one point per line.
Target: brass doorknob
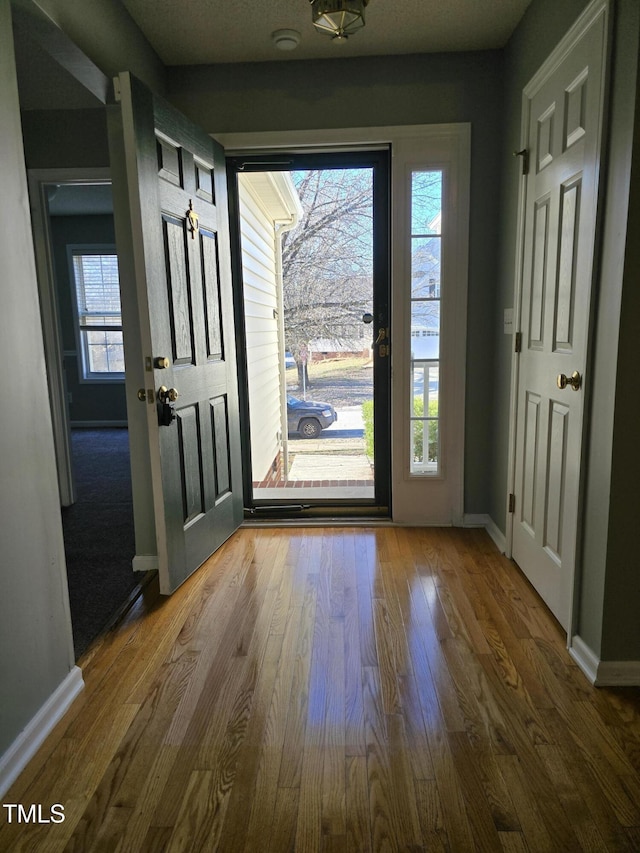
575	381
167	395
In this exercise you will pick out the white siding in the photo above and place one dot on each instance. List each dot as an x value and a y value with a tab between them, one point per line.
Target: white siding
261	323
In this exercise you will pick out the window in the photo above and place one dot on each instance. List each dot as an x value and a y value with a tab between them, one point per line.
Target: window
99	316
425	249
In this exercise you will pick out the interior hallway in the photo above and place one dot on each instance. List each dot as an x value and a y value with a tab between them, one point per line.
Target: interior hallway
340	689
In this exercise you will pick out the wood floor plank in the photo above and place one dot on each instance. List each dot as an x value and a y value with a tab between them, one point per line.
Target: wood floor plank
357	813
588	785
483	827
334	780
533	828
378	770
385	629
285	821
339	689
248	750
354	703
270	750
297	711
571	799
431	817
406	822
140	828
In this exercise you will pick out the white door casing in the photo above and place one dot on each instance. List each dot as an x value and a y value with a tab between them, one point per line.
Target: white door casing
175	269
39	181
562	124
415	500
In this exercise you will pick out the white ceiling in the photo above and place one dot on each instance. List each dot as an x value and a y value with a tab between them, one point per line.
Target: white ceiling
195	32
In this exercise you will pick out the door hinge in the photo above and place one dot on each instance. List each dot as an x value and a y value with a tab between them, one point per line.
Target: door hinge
518	342
512	502
524	153
117	92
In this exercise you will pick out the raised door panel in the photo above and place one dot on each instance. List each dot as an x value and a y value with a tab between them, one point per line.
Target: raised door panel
530	462
538	285
555	478
178	290
192	475
220	434
211	295
570	197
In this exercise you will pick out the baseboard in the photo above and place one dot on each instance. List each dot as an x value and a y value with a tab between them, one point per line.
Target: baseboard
145	563
623	673
497	535
485	520
25	746
586	659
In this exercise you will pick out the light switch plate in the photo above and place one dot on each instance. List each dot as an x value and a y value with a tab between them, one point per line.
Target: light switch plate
508	321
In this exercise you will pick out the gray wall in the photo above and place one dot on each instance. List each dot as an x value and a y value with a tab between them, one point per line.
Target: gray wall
108	35
65	139
35	626
379	91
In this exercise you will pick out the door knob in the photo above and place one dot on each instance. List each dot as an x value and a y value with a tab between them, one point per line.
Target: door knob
167	395
575	381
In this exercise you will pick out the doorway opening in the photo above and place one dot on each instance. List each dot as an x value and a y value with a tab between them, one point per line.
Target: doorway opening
80	306
313	235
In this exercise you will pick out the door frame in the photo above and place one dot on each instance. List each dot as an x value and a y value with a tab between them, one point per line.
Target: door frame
446	144
38	180
562	49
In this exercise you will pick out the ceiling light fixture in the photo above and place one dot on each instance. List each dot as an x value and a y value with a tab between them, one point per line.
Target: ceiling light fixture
286	39
338	18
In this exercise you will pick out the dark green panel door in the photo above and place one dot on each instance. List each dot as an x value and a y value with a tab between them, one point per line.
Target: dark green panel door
179	262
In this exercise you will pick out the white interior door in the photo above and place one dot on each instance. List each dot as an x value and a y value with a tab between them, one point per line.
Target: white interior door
173	245
563	114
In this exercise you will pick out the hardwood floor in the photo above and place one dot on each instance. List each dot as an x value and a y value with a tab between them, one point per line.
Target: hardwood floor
340	689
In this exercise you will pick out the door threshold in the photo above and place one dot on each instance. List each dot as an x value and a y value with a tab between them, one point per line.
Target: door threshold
327	521
302	515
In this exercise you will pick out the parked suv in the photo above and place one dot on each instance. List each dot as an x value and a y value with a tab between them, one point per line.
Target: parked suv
307	418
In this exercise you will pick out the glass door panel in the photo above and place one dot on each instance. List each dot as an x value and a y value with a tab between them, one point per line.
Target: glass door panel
425	253
310	315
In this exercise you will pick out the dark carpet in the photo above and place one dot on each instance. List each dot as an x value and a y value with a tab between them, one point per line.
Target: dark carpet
98	532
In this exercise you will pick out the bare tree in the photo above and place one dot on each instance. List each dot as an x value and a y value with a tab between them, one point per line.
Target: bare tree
327	259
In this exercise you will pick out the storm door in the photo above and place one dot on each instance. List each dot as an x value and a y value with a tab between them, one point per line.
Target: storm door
314	272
